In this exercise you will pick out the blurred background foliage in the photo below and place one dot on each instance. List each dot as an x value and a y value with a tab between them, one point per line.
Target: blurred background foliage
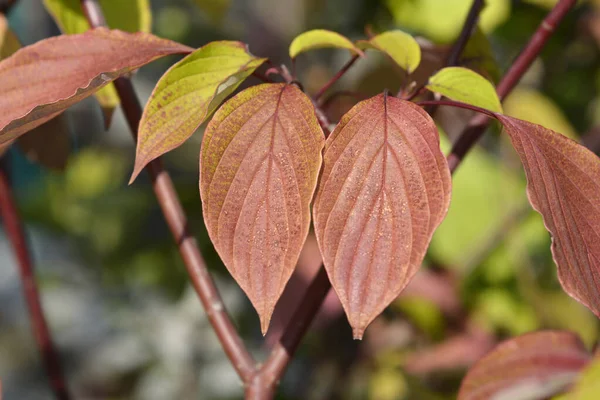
115	289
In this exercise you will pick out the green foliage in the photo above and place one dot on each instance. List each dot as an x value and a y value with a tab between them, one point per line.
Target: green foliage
187	94
400	46
467	86
319	39
442	20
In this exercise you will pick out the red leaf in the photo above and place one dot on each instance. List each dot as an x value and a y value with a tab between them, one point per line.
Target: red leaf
532	366
40	81
385	188
259	164
563	184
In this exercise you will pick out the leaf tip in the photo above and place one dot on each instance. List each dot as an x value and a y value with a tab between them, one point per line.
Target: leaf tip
136	171
357	333
265	321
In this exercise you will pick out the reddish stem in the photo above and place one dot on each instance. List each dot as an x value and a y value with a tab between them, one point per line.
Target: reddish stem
335	78
465	33
284	350
476	127
41	332
461	42
175	216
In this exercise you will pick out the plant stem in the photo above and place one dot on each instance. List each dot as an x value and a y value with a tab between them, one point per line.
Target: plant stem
41	332
457	104
175	216
476	127
465	33
335	78
282	353
461	42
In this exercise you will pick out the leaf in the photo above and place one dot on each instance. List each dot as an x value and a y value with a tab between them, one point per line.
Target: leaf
130	16
42	80
532	366
48	144
384	188
563	184
187	94
587	386
321	38
259	164
441	21
462	84
9	44
400	46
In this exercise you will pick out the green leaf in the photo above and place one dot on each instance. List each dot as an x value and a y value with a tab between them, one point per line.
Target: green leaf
588	384
462	84
319	39
130	16
442	21
9	43
187	94
400	46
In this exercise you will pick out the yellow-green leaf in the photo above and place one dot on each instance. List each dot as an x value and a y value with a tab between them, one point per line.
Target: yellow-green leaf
9	43
462	84
588	384
130	16
187	94
319	39
400	46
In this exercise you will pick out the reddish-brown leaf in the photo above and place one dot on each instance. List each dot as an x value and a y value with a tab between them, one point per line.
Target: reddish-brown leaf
385	188
563	184
259	164
40	81
532	366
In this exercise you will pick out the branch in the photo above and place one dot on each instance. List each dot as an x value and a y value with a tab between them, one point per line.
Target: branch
459	45
465	33
282	353
41	332
335	78
479	123
171	207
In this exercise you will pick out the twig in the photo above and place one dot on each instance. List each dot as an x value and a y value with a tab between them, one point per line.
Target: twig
335	78
41	332
465	33
479	123
282	353
171	207
461	42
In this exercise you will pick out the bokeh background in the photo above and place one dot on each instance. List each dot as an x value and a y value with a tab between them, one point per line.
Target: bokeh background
128	324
